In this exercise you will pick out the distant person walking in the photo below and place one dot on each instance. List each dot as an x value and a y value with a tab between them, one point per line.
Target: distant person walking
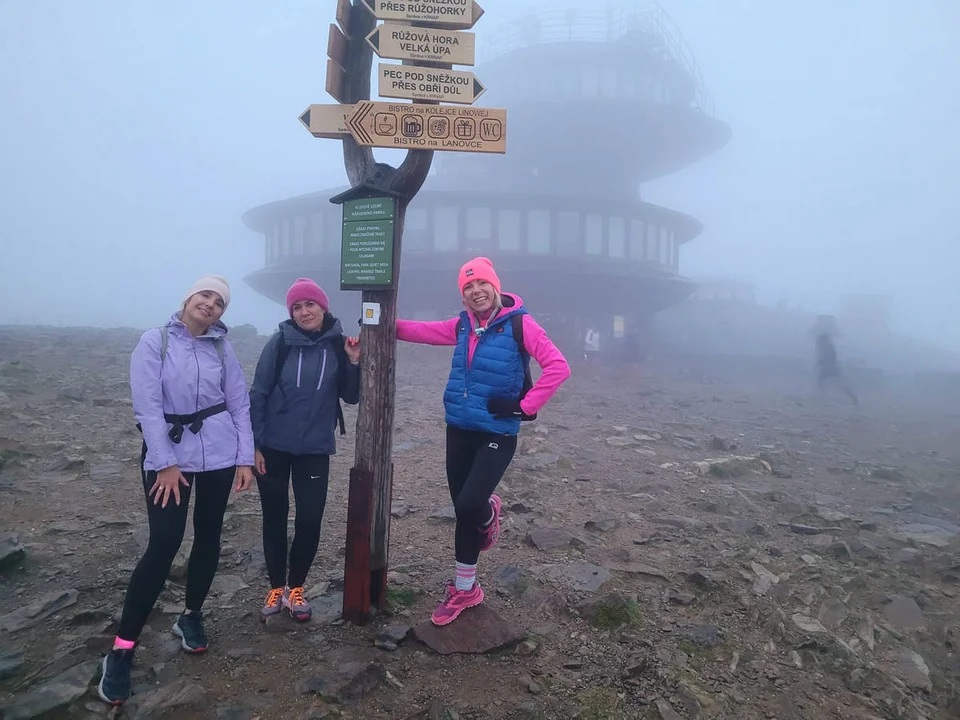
190	400
591	346
304	371
488	393
828	366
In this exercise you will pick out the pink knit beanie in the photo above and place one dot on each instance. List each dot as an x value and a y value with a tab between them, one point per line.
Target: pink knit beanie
306	289
479	268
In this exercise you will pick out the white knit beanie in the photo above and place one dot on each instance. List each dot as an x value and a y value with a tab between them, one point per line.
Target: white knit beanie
214	283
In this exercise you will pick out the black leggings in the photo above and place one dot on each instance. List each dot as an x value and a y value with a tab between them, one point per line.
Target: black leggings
310	478
476	462
166	533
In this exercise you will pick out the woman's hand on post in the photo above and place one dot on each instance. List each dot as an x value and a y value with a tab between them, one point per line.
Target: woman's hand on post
168	483
352	346
244	477
259	463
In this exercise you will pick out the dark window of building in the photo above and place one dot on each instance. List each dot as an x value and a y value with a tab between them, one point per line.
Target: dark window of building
617	237
332	230
285	238
315	234
272	233
446	229
568	234
593	240
538	232
653	236
479	223
508	230
299	235
479	230
415	230
637	229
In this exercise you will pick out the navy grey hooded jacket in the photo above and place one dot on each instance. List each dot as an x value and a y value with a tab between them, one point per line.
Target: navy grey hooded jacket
299	414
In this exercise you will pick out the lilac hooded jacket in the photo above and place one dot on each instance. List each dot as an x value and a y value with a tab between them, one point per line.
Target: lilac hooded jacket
191	378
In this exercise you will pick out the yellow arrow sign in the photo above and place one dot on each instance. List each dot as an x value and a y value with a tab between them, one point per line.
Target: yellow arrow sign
419	83
429	127
400	42
442	13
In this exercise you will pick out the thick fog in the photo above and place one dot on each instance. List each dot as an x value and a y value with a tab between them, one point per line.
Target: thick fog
134	135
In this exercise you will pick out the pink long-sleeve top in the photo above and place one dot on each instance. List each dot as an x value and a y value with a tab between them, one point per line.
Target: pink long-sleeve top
554	365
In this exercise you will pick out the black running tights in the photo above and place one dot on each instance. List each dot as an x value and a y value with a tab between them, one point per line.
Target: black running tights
476	462
310	475
166	533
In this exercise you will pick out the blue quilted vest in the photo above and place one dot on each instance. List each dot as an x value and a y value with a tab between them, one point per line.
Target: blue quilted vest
497	371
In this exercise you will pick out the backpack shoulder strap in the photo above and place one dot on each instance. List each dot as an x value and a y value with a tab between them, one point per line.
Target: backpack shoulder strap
517	322
218	345
342	362
164	339
283	351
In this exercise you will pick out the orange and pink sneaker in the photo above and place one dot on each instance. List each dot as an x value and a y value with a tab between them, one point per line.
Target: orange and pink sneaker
491	533
455	603
273	604
297	605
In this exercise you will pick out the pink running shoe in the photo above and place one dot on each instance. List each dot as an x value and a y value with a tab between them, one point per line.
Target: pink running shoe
455	603
491	533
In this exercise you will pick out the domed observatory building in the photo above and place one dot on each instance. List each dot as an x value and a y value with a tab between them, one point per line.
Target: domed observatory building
598	101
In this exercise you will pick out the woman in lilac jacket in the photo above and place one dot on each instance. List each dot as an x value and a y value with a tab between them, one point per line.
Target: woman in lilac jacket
190	398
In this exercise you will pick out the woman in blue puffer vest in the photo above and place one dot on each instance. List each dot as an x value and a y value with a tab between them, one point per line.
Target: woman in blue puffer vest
488	393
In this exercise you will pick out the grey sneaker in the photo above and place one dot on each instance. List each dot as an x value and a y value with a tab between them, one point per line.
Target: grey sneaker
114	685
189	628
273	604
296	603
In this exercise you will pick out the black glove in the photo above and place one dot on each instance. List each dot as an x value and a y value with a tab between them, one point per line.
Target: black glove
504	408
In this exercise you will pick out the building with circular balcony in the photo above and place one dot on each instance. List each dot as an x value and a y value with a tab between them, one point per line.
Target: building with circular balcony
599	101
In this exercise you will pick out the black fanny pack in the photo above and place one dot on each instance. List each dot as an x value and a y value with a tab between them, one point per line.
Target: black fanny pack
193	421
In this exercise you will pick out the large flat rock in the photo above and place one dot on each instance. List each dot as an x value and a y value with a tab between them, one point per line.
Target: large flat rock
581	576
62	690
11	551
478	630
38	611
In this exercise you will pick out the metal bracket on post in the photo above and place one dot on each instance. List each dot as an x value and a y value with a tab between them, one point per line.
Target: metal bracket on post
380	178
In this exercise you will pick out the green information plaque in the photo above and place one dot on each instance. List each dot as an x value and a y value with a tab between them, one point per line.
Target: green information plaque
366	249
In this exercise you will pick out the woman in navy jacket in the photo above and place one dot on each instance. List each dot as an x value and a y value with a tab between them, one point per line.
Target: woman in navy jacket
305	369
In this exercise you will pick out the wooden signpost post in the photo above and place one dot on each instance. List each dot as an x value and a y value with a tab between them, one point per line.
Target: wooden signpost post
424	35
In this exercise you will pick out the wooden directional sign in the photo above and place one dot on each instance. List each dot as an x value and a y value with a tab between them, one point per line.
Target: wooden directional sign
337	45
442	13
400	42
429	127
343	14
420	83
335	80
327	121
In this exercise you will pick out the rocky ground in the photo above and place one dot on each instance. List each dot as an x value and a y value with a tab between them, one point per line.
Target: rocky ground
677	544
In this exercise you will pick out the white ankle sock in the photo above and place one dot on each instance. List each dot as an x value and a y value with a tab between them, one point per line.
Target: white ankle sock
466	576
